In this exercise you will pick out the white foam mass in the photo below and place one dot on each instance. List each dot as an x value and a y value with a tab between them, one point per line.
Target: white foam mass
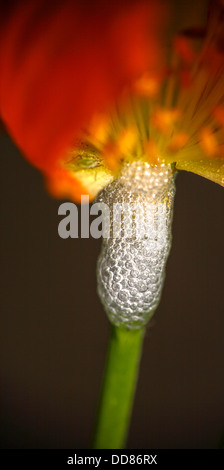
131	265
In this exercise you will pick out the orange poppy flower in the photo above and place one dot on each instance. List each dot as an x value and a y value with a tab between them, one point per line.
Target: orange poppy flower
84	87
62	61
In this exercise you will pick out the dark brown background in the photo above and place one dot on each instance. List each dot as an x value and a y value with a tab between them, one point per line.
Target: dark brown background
54	331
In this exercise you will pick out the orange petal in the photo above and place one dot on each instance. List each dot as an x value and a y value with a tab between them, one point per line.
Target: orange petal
61	184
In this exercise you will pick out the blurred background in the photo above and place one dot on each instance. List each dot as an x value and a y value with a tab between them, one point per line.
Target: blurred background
54	332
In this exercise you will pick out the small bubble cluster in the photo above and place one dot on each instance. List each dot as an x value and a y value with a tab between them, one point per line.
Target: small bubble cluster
131	267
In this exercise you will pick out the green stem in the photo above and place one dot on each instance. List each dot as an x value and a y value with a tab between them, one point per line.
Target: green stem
118	388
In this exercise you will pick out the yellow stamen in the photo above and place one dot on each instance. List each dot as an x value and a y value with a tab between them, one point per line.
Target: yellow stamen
127	140
147	86
164	119
151	153
219	115
208	141
177	142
